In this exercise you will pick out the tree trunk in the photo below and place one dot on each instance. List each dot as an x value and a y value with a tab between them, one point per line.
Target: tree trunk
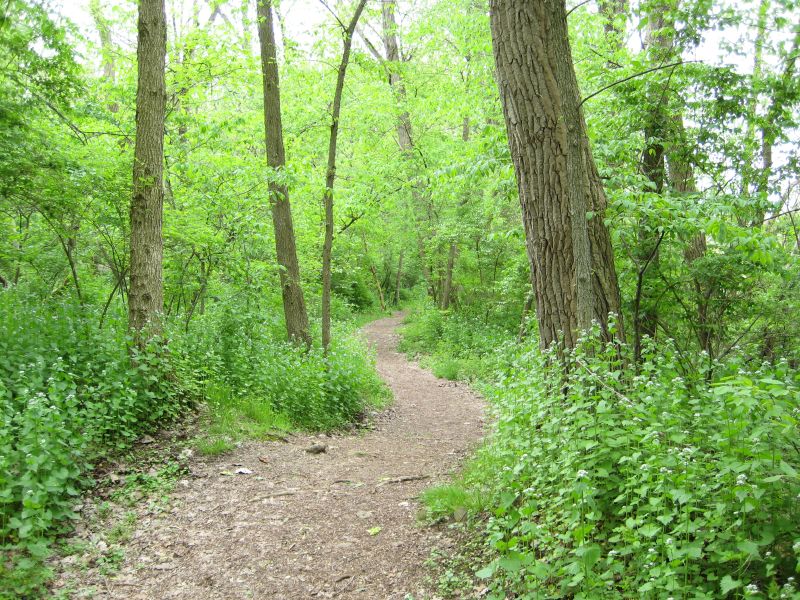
397	280
330	177
448	277
571	256
375	279
106	47
405	138
294	306
392	47
770	130
659	44
146	290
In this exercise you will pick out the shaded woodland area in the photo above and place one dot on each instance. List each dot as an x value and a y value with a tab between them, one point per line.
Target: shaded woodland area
588	210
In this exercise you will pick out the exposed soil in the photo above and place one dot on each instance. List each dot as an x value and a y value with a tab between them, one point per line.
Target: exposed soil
341	523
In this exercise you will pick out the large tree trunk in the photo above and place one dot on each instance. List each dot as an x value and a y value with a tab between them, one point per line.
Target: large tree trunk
330	177
146	292
570	254
294	306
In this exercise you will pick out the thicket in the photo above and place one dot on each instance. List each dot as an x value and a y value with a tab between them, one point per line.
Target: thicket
603	480
72	394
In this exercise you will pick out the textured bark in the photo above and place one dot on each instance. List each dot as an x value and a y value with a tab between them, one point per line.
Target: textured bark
330	176
571	258
294	306
146	292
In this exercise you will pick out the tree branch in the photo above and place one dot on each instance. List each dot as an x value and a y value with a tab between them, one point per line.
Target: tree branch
634	76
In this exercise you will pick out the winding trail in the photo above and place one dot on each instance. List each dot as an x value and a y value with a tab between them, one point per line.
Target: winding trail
306	525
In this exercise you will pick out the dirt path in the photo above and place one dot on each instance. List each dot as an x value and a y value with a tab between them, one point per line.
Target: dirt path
341	524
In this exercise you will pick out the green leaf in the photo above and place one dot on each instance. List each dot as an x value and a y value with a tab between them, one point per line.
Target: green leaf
590	555
788	469
487	571
748	547
649	530
728	583
511	563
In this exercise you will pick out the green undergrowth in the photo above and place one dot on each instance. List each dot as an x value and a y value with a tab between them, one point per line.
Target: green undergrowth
466	348
258	386
72	395
598	481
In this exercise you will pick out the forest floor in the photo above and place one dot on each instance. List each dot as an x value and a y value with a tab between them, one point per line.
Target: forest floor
275	520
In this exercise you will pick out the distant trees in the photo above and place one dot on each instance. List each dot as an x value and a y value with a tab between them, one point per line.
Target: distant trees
294	306
561	195
146	290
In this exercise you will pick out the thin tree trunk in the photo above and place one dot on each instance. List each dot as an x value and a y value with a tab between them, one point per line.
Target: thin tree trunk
294	306
392	47
571	256
659	44
769	130
146	290
448	277
106	47
375	278
398	279
330	177
614	13
749	149
447	289
405	138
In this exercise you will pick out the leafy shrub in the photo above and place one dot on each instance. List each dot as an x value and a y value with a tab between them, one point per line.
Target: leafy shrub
601	482
455	345
68	392
245	353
